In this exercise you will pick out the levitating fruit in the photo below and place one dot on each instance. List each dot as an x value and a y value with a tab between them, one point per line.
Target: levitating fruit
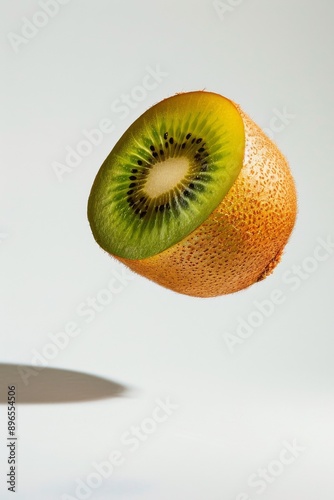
195	197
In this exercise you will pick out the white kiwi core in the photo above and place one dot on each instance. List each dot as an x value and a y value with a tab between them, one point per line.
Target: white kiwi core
166	175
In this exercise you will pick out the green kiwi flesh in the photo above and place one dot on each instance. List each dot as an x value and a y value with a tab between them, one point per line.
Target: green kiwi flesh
166	174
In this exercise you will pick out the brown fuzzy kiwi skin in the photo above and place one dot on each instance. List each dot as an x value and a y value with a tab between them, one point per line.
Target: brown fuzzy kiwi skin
242	240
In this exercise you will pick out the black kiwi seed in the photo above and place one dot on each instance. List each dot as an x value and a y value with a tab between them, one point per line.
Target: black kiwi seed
133	178
166	144
198	141
132	185
134	170
192	142
188	136
201	150
165	135
139	162
162	208
183	145
161	152
130	192
155	154
171	140
152	148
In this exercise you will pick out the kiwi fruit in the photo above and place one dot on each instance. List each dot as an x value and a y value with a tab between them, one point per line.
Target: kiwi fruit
195	197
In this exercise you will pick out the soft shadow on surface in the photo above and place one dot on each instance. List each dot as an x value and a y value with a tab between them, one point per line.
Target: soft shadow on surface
52	385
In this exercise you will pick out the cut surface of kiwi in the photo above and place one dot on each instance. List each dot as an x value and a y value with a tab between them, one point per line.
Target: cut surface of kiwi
166	174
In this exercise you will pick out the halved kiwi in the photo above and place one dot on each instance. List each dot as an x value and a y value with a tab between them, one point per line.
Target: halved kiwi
195	197
166	174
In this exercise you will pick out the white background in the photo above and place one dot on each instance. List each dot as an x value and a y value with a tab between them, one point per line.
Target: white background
234	408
